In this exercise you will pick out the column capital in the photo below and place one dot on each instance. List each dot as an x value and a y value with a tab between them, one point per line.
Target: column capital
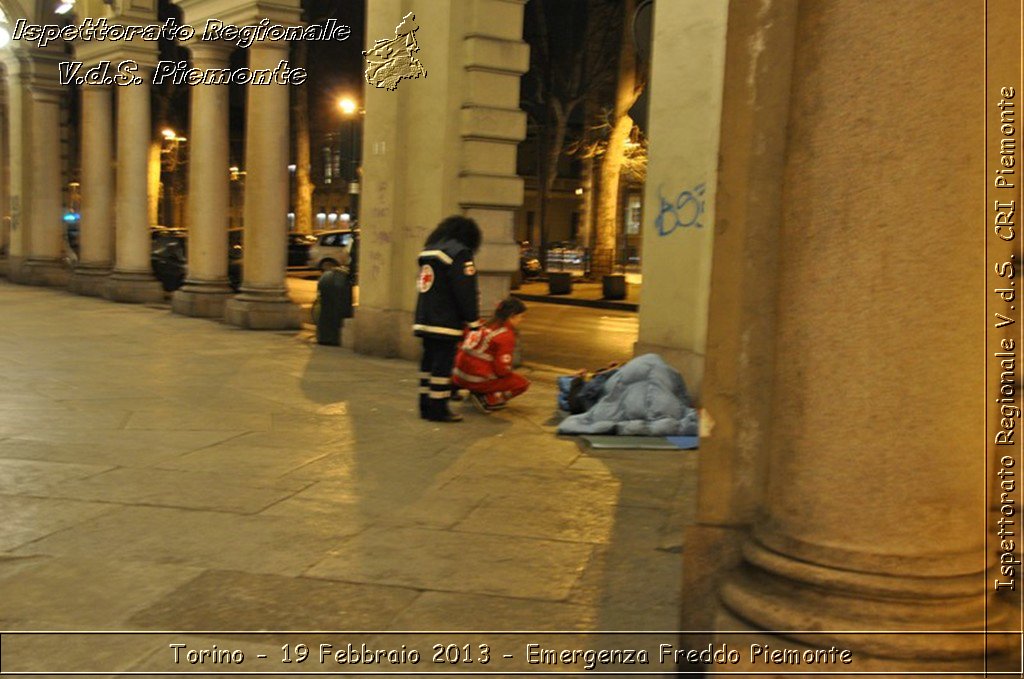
93	53
134	11
34	69
210	53
265	46
240	12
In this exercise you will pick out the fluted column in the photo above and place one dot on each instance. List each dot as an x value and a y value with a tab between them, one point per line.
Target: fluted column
206	288
132	279
96	232
263	302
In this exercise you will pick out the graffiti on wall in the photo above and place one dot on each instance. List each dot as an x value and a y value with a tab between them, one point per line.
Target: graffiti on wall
685	211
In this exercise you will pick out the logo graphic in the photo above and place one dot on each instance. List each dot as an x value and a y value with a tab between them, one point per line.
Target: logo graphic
391	59
426	279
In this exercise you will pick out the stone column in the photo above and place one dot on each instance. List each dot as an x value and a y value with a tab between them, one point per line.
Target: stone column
19	145
44	265
36	227
132	279
97	223
5	196
679	206
872	516
741	327
206	288
263	302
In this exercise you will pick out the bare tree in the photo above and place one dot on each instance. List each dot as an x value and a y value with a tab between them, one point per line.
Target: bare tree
628	88
563	71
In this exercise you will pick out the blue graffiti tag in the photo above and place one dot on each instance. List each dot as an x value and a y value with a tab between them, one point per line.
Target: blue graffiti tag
686	211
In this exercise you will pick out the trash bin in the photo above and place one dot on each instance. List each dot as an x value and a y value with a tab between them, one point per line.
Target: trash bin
560	283
614	286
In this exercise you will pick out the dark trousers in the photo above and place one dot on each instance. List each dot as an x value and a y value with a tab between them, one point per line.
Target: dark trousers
436	375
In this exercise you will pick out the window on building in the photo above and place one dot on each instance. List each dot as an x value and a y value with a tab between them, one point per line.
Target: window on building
633	209
328	174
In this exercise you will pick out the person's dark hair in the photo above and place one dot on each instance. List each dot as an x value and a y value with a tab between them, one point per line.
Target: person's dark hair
506	309
458	228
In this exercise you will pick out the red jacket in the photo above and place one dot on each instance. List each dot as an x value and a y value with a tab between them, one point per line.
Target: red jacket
485	354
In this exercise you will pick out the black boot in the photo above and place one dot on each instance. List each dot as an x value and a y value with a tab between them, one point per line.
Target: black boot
424	407
439	412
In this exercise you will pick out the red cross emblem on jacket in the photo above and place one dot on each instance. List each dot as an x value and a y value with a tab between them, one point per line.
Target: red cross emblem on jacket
426	279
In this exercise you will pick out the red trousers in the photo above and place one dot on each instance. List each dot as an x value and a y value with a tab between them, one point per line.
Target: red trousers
507	387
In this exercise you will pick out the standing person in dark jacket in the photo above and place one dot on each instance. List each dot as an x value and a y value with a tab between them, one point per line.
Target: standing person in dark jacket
448	304
334	289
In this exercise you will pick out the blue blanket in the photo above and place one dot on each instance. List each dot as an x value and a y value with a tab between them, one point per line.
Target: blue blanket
646	397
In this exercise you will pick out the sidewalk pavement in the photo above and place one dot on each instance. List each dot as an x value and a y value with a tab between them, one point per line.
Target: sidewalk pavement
159	472
584	293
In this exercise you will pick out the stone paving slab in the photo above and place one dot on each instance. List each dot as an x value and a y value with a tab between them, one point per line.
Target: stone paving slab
27	519
86	593
458	561
171	488
258	544
79	653
173	473
35	476
113	448
218	600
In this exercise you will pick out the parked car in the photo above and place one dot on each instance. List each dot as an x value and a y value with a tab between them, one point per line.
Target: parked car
328	248
169	258
529	263
298	248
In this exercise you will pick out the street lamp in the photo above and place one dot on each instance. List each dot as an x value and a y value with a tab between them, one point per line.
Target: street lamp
347	105
350	110
173	194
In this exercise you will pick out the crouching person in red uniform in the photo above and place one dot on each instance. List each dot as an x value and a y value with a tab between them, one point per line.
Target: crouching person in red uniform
484	362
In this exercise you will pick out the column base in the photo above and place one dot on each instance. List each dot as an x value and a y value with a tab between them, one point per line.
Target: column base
709	554
133	288
262	310
753	651
383	332
851	608
47	272
89	279
201	299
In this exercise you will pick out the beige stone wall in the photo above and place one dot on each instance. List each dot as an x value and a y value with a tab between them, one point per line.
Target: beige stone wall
687	67
437	146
